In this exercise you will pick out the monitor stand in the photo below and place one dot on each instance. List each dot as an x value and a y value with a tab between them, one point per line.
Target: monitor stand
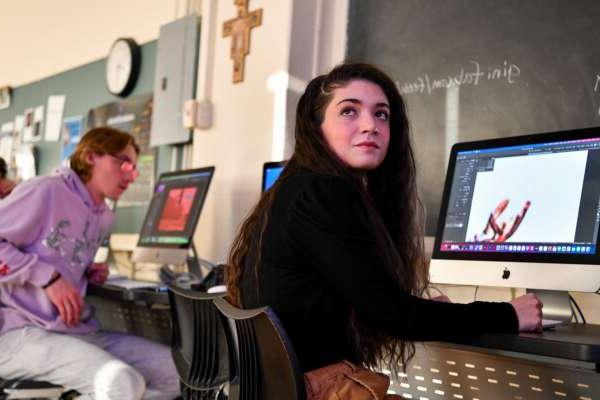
161	255
557	304
193	266
196	264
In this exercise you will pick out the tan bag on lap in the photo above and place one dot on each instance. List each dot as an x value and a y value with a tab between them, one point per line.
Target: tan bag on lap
345	381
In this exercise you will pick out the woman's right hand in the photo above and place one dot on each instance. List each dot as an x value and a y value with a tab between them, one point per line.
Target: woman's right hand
529	312
67	299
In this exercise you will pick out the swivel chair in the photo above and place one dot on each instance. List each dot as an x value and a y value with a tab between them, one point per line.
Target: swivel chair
266	366
198	344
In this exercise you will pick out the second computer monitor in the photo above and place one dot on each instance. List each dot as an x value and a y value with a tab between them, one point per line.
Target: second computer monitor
172	216
522	212
271	171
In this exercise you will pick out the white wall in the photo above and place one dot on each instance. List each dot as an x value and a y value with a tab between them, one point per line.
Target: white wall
241	136
40	38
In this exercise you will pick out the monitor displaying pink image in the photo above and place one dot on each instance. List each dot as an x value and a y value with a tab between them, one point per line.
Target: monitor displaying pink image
177	209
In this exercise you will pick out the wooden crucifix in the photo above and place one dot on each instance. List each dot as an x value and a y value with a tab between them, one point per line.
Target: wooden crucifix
239	30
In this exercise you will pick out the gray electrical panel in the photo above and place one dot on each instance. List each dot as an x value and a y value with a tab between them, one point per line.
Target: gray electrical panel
175	79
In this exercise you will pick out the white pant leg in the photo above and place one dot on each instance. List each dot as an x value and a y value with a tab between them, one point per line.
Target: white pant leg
34	353
153	360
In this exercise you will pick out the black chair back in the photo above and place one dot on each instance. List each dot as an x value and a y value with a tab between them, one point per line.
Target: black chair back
199	343
266	365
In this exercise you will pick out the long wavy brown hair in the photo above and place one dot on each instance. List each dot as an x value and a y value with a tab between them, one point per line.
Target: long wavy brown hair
389	196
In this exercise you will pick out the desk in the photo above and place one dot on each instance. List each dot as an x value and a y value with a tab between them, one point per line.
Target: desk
150	296
559	364
142	312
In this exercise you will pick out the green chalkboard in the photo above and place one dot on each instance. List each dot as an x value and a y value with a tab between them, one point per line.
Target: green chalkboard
85	88
478	69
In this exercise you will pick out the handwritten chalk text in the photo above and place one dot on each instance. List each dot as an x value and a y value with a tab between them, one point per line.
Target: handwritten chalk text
471	75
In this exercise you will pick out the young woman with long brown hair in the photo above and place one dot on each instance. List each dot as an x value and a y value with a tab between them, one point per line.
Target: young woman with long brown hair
335	247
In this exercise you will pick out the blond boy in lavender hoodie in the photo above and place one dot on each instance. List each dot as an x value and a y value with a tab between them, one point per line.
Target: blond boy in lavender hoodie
50	228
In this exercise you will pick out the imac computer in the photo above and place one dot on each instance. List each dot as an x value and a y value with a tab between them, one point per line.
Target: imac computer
271	171
168	229
523	212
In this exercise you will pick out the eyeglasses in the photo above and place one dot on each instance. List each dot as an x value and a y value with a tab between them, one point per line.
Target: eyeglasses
126	166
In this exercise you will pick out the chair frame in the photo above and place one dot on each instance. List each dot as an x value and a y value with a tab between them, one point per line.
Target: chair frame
200	372
266	365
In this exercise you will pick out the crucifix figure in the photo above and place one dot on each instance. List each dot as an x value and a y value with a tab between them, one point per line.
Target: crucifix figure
239	30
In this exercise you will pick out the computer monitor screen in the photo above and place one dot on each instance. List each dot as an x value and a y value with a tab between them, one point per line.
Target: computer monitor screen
522	212
172	216
271	171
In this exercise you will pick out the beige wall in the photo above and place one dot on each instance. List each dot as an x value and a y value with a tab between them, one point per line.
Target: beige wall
40	38
241	136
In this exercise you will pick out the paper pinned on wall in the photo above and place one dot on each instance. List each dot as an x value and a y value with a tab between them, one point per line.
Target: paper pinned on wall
71	134
6	147
6	141
19	124
7	127
28	125
32	129
54	114
38	120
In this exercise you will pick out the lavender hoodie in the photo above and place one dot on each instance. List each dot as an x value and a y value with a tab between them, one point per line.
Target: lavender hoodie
47	224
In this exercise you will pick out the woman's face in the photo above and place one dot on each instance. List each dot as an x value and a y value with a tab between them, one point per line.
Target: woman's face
112	174
357	124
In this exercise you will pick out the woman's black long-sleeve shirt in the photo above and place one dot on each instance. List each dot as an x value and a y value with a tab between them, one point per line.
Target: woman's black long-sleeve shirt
319	259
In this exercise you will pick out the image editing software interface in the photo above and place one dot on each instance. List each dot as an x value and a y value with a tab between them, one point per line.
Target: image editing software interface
175	208
538	198
271	171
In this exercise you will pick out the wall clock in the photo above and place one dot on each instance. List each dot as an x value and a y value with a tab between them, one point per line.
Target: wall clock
123	66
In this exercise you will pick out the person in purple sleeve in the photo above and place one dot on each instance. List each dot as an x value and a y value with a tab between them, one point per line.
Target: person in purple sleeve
50	229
